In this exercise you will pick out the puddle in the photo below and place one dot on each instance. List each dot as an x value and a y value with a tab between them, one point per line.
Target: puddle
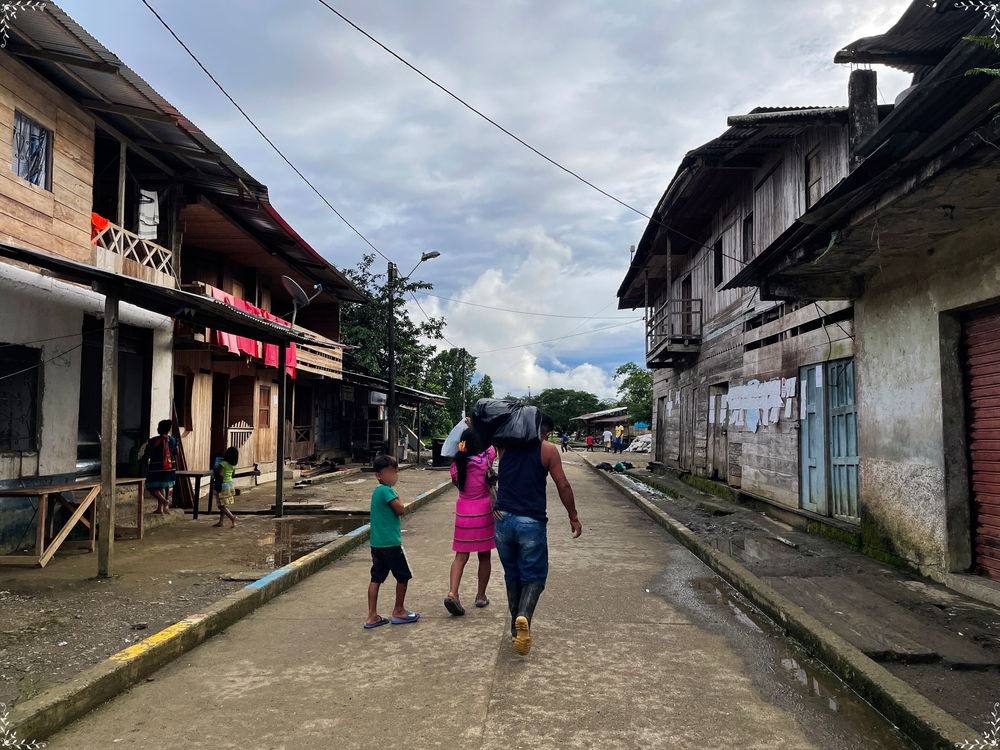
751	549
296	537
830	713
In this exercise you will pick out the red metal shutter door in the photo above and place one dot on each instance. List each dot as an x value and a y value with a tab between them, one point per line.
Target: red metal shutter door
982	371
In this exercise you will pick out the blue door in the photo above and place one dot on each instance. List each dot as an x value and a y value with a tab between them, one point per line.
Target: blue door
843	430
812	440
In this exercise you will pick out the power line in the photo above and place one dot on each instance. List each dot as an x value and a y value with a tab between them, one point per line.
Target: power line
43	362
516	312
263	135
453	345
563	338
504	130
54	338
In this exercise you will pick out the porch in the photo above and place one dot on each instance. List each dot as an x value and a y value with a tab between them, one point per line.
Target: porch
118	250
673	332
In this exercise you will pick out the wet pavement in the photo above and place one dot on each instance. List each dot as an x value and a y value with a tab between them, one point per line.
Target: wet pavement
945	645
637	645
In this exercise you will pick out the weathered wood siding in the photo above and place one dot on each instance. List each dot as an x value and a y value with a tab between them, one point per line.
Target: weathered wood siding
764	463
57	220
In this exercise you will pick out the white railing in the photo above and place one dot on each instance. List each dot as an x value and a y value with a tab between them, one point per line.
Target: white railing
131	246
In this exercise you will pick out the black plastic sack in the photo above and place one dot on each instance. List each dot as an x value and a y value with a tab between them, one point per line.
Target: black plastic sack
506	423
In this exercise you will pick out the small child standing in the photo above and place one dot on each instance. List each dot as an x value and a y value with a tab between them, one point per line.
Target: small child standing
590	443
223	478
387	546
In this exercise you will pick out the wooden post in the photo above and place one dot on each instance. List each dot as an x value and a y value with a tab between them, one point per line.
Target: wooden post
418	433
279	458
109	438
122	154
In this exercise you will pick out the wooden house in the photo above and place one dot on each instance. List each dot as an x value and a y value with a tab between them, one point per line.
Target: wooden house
749	391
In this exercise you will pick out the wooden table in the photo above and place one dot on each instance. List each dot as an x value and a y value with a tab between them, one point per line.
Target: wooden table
198	475
47	541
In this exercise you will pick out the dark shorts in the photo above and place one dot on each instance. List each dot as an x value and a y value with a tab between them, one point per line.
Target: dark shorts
387	560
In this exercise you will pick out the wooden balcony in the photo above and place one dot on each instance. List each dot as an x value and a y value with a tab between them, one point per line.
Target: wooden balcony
121	251
673	333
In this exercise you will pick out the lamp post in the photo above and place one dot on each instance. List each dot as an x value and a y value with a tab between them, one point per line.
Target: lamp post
393	437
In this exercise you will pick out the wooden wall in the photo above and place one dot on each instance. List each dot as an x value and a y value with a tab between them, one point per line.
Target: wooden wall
57	220
766	462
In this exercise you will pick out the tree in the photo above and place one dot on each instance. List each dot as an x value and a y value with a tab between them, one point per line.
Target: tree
563	404
444	376
636	391
365	326
482	389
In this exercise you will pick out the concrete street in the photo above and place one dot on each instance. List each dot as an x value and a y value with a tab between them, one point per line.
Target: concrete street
636	645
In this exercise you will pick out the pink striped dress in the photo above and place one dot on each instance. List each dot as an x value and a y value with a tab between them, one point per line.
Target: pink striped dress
473	511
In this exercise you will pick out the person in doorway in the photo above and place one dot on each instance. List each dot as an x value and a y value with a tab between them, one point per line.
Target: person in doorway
226	493
521	527
473	519
607	441
590	443
161	450
565	442
386	540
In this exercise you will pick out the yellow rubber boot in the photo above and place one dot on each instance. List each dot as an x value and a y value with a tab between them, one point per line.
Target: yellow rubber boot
522	642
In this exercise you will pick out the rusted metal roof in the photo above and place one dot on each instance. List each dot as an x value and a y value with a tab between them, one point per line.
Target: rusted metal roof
123	104
919	41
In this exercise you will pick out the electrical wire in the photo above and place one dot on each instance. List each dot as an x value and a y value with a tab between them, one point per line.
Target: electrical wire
516	312
504	130
561	338
44	362
429	320
262	134
54	338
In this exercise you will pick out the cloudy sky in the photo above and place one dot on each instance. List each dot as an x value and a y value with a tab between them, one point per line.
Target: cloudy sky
616	91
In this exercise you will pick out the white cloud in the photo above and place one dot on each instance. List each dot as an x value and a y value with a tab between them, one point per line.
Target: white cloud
616	91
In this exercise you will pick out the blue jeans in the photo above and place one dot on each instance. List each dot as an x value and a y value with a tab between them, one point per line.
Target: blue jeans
523	548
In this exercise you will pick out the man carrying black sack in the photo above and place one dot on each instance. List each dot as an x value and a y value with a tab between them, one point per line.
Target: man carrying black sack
521	526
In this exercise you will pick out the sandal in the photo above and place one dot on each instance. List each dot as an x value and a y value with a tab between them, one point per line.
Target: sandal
484	603
454	606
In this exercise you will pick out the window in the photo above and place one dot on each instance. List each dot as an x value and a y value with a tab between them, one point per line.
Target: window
31	150
814	179
264	407
748	248
183	394
718	257
19	399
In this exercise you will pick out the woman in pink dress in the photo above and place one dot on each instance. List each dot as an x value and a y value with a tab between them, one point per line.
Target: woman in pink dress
473	519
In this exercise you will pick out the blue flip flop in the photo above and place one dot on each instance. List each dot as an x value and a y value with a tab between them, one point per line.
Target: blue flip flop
410	617
380	623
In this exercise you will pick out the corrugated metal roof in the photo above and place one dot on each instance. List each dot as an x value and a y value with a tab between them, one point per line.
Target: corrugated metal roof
52	30
921	39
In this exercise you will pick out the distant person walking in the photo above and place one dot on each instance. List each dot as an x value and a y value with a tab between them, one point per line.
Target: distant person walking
521	527
565	442
607	441
161	450
619	443
590	443
473	519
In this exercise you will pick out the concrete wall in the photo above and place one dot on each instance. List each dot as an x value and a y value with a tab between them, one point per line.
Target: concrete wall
911	422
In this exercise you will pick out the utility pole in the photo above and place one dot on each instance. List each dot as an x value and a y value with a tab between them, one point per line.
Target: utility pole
393	441
463	383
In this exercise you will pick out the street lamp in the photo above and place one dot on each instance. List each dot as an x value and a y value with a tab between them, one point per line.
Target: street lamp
393	274
425	257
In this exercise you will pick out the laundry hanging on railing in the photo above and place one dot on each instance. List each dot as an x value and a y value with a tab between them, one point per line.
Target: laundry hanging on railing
241	344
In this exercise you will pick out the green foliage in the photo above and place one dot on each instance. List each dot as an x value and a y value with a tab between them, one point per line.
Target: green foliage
636	391
444	376
365	326
563	404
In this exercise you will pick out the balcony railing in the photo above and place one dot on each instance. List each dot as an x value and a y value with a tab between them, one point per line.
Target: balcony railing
674	329
137	257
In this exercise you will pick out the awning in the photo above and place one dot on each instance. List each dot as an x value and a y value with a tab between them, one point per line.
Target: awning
193	309
620	419
605	413
403	394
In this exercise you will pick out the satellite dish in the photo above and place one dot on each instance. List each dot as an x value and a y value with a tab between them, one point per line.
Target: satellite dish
299	296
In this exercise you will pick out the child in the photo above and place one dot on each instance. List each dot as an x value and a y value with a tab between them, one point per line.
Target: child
161	475
387	546
226	495
565	442
590	443
473	518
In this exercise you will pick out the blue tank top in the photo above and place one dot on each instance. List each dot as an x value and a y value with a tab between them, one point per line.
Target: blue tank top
522	483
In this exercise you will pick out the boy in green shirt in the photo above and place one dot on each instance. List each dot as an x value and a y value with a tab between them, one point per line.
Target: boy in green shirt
387	546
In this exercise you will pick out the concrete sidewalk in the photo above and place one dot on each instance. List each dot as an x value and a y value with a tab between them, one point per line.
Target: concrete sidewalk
944	644
614	666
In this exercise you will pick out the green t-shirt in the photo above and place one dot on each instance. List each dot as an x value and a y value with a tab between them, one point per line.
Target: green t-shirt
386	529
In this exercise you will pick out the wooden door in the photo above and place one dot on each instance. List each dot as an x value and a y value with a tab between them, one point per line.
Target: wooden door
812	440
718	441
219	439
685	459
686	306
660	438
842	424
981	339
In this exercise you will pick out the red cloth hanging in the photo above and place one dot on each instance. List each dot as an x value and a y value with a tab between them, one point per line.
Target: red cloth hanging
241	344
